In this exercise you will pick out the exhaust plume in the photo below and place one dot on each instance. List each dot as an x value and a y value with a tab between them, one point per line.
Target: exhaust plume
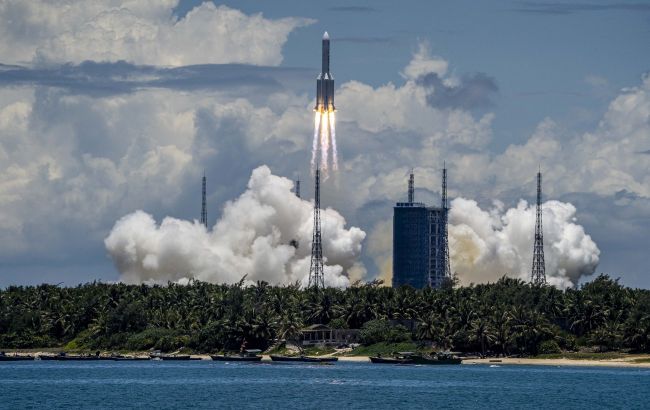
324	138
485	245
254	236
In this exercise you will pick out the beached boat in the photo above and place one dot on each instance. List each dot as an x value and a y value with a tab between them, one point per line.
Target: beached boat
173	357
158	355
63	357
14	358
305	359
389	360
126	358
417	358
444	358
251	355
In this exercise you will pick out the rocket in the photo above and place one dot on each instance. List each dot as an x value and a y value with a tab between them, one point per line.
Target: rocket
325	81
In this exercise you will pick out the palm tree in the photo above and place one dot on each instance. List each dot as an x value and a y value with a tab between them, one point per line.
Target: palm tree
482	332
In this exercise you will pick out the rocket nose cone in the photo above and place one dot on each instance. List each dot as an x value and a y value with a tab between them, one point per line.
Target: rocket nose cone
326	36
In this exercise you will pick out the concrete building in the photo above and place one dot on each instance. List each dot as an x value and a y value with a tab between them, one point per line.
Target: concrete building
420	255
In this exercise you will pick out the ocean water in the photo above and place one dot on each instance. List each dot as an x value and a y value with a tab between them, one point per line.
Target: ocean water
206	384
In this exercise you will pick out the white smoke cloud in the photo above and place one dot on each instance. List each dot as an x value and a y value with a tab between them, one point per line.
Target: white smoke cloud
251	238
485	245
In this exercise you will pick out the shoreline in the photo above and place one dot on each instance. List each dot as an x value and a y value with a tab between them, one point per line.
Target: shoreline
634	361
623	362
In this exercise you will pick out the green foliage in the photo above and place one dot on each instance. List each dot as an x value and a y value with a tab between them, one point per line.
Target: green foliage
376	331
506	317
549	347
338	323
153	338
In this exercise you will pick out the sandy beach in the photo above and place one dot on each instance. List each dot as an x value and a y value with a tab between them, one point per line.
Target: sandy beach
636	361
622	362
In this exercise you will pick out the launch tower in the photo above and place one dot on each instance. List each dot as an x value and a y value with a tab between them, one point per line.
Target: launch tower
204	206
538	276
316	276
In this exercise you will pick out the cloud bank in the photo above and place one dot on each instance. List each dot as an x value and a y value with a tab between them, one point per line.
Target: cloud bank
141	32
85	143
253	238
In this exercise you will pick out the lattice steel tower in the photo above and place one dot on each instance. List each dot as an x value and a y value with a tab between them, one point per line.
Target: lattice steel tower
538	275
444	240
316	277
296	189
411	187
204	206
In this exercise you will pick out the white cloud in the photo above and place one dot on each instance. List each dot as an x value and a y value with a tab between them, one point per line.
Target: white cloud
251	238
423	63
142	32
94	159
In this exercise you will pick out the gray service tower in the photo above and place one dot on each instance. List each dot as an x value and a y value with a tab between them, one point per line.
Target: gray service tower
325	81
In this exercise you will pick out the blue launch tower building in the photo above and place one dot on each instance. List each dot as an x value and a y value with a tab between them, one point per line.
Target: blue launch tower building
420	245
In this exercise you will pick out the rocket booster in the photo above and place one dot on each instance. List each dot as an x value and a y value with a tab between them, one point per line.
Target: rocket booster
325	81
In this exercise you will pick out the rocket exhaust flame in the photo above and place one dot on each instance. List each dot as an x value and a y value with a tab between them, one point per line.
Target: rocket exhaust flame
332	125
324	141
324	121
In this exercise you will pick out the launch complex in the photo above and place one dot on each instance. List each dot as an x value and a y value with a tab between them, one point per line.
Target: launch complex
420	232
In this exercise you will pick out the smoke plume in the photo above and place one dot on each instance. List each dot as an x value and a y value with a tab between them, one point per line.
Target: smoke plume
254	237
485	245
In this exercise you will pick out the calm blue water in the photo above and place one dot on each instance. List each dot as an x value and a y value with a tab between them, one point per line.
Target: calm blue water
206	384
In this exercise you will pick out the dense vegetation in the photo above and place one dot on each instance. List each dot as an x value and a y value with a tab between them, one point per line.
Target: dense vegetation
509	317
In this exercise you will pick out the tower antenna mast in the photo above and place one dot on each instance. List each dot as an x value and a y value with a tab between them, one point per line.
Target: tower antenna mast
538	275
316	276
445	231
204	205
411	197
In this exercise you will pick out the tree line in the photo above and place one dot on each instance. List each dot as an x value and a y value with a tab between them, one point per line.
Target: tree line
506	317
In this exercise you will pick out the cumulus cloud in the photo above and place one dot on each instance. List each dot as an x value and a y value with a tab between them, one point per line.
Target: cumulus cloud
448	91
487	244
141	32
253	238
599	161
93	156
470	91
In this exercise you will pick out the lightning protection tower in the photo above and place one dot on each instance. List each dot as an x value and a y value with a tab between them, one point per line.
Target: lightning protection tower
444	237
204	206
316	276
538	276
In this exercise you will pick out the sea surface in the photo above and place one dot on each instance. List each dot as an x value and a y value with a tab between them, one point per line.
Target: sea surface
217	385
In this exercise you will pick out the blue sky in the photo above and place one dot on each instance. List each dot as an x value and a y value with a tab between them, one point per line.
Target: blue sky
107	109
542	54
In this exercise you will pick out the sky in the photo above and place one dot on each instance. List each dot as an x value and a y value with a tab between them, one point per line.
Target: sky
112	107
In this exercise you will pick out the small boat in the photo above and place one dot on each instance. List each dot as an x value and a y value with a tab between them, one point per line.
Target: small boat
63	357
438	359
157	355
389	360
175	357
250	355
304	359
14	358
417	358
120	357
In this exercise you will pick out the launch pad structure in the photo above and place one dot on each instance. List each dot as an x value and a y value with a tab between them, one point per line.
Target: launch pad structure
204	204
324	137
538	274
420	241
